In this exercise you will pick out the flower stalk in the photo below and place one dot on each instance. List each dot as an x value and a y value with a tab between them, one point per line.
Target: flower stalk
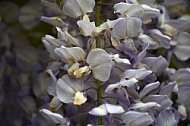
98	45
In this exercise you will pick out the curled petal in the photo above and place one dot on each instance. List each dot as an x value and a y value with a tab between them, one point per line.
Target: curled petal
79	72
119	60
79	98
55	117
55	21
99	111
150	12
114	109
145	106
126	9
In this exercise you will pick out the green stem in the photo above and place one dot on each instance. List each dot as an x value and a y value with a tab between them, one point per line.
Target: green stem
97	13
99	97
97	21
98	45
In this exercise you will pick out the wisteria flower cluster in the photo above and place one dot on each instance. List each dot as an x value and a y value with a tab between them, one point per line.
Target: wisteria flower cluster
112	63
118	71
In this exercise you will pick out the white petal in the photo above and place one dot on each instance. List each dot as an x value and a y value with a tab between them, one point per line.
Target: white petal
120	60
111	87
128	9
162	39
64	92
55	117
145	106
86	5
99	111
70	55
114	109
86	28
129	83
102	71
72	9
55	21
100	63
122	28
182	51
150	12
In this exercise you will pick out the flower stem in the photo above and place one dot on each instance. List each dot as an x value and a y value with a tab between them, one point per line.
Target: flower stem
97	21
98	45
99	97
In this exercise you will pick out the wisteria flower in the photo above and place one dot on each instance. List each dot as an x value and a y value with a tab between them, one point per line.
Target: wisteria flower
69	90
89	28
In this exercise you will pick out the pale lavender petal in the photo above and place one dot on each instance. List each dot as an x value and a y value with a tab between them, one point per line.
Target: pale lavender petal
102	71
72	9
141	55
76	8
148	88
167	89
67	87
139	74
122	28
184	93
111	87
99	111
64	91
70	55
100	63
129	83
134	118
150	12
145	106
166	118
162	39
182	52
114	109
126	9
55	21
55	117
162	100
156	64
86	5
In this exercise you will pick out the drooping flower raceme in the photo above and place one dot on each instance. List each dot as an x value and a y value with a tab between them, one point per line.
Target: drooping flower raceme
124	60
